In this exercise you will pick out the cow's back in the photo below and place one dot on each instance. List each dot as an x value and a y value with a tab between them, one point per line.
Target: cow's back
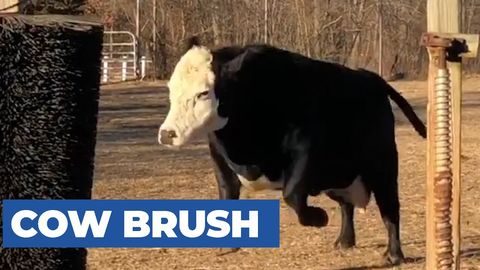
281	99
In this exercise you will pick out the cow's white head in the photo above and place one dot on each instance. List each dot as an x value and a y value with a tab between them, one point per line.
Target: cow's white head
193	103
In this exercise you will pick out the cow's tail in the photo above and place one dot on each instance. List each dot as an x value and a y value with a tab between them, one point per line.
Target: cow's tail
407	109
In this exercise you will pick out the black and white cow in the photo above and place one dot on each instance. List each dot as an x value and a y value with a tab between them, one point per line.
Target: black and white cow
278	120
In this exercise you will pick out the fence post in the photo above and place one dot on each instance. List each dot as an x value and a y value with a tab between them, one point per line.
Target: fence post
9	6
446	47
105	68
124	68
143	63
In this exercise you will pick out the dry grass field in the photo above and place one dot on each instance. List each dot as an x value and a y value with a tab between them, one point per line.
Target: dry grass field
131	165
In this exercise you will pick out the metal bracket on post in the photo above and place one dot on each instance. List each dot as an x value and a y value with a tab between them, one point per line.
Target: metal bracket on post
457	45
450	49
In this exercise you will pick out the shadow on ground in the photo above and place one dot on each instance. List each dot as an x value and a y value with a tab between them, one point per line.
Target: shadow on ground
465	253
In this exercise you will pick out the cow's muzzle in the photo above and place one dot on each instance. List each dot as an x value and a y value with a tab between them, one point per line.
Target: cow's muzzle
166	136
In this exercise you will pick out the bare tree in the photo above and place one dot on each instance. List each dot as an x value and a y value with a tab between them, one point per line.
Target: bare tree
340	31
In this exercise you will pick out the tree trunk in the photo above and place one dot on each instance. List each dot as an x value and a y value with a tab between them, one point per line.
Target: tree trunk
215	27
316	27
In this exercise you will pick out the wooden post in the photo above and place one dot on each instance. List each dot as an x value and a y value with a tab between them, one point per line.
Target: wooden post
443	16
456	81
443	19
5	4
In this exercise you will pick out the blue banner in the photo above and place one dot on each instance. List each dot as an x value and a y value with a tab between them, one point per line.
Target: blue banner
141	223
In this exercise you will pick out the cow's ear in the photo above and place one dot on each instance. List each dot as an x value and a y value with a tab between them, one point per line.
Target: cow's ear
234	66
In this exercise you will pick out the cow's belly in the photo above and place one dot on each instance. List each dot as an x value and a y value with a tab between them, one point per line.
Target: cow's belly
356	194
261	183
250	176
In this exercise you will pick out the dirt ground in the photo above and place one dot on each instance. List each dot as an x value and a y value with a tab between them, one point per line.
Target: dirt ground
131	165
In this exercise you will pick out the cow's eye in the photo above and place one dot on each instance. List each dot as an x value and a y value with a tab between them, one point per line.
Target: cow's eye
203	95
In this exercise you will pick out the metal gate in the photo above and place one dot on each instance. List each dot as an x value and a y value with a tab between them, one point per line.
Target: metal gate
120	60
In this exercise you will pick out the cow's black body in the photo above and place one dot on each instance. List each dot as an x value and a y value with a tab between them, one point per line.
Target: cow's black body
311	125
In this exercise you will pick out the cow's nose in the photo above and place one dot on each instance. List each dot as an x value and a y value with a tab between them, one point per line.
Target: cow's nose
166	136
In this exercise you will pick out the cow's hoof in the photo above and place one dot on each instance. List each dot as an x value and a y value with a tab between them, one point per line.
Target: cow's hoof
226	251
314	216
393	258
344	243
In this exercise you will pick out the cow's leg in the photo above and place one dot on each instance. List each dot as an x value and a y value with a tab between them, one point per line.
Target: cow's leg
307	215
295	195
227	182
385	191
346	238
228	188
388	203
